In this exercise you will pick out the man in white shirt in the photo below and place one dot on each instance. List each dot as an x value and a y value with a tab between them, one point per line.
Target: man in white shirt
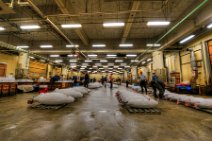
143	83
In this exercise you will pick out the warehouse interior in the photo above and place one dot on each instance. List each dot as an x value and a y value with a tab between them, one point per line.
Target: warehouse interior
106	49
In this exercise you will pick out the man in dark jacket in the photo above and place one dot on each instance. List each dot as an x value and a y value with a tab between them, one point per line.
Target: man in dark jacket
86	80
158	85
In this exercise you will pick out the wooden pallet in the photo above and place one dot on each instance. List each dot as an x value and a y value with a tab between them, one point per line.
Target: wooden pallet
143	110
48	107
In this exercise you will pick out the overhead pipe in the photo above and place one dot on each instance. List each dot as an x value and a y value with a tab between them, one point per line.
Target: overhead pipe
176	25
182	20
89	51
40	13
12	47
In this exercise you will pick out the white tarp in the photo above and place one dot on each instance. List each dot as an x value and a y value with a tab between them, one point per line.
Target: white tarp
196	101
53	99
83	90
137	88
25	88
69	92
136	100
94	85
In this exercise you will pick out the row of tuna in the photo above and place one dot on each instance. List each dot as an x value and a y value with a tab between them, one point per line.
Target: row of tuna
134	99
94	85
190	100
61	96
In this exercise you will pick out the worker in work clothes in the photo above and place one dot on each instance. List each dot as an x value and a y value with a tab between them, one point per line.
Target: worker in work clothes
111	81
143	83
157	85
86	80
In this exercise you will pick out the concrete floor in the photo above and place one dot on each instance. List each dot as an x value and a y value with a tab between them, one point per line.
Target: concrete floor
98	117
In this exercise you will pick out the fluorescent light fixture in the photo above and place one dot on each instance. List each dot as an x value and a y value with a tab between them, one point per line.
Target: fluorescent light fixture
94	66
90	68
92	55
46	46
31	57
85	64
2	28
187	39
101	68
72	46
127	66
115	66
98	64
88	61
73	66
26	27
110	64
118	61
209	26
158	23
71	25
82	68
114	24
123	64
105	66
23	46
54	55
72	55
125	45
111	55
150	59
110	68
73	61
58	61
131	55
134	61
143	62
103	61
103	71
99	45
119	68
153	45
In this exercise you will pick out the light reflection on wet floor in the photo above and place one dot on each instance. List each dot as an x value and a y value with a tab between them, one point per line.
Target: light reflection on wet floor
99	117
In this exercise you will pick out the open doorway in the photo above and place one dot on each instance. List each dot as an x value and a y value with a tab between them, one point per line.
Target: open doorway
3	68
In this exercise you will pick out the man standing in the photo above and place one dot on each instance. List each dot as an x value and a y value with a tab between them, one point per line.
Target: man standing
111	81
86	80
143	82
157	85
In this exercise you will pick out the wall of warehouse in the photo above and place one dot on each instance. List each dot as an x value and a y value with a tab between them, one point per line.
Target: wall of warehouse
158	60
200	48
11	61
98	76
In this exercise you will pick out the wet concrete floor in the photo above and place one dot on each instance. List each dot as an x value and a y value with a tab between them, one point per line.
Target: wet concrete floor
99	117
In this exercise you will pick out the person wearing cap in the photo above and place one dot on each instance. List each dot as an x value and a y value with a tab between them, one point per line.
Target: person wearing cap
111	81
143	83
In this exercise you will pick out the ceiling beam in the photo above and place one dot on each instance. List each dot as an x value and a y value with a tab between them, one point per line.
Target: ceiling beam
90	51
82	35
49	21
135	6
